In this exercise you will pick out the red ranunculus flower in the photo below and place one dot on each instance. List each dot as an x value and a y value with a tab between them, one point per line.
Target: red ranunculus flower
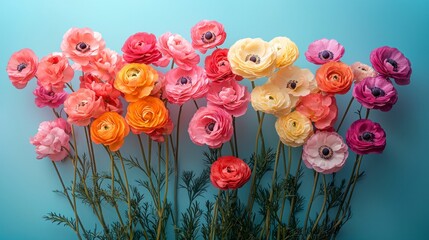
229	172
218	68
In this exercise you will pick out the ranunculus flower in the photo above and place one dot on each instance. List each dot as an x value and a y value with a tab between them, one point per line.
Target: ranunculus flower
105	65
230	96
158	134
22	67
109	129
334	77
294	80
287	51
365	136
211	126
320	109
52	139
182	85
252	58
229	172
294	129
82	44
45	98
207	34
135	81
324	50
176	47
325	152
269	98
392	63
54	72
376	93
362	71
83	105
141	48
218	68
147	115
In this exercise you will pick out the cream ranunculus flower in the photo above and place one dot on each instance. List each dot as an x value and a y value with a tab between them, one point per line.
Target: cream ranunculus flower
269	98
297	81
252	58
294	129
286	50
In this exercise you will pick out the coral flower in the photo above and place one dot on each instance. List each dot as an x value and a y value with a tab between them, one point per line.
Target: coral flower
207	34
294	129
287	51
83	105
22	67
229	172
324	50
105	65
135	81
141	48
392	63
229	95
109	129
334	78
365	136
376	93
320	109
54	72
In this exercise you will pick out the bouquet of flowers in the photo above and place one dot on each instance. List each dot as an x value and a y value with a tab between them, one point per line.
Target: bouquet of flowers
139	96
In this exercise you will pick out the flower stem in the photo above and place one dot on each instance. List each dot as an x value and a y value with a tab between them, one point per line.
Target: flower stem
112	170
293	201
345	113
316	177
75	171
287	171
235	137
176	169
214	219
130	219
164	204
325	195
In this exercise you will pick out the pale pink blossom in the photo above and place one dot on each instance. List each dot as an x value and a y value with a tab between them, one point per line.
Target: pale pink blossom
229	95
176	47
105	65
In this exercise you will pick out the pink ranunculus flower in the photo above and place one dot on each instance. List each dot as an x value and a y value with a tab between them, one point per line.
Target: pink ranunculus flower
320	109
141	48
324	50
182	85
207	34
211	126
105	65
218	68
158	134
325	152
176	47
376	93
100	87
392	63
54	72
362	71
365	136
52	139
82	44
229	95
83	105
45	98
159	85
22	67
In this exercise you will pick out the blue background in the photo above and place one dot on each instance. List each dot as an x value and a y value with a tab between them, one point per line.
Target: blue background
391	202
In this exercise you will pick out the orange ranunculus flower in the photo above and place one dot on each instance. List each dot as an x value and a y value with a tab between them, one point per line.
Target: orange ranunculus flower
146	115
110	129
334	77
136	80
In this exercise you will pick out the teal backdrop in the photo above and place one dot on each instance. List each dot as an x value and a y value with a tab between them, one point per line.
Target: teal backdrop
391	201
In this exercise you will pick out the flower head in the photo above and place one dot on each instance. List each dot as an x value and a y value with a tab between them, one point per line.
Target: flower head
218	68
229	172
52	139
109	129
376	93
22	67
365	136
294	129
83	105
252	58
334	78
176	47
45	98
391	63
54	72
105	65
324	50
230	96
207	34
135	81
325	152
320	109
362	71
296	81
211	126
286	51
141	48
271	99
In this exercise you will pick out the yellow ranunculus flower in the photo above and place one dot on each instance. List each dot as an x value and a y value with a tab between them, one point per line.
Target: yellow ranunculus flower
286	50
294	129
269	98
296	81
135	81
252	58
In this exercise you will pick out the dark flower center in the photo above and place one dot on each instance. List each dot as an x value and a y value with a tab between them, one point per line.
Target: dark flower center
208	37
368	136
183	80
253	58
229	169
393	63
82	47
21	67
291	84
210	127
325	152
326	55
377	92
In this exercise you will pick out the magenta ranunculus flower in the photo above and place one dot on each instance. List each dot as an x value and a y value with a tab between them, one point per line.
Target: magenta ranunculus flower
376	93
52	139
54	72
182	85
176	47
392	63
229	95
365	136
22	67
45	98
325	152
207	34
141	48
83	105
324	50
211	126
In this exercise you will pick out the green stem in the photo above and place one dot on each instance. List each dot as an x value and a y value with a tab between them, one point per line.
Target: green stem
214	220
112	170
295	183
345	113
316	177
235	137
164	204
321	210
130	219
176	168
367	113
287	171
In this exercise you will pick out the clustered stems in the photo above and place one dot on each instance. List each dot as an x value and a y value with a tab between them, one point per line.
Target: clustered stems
214	219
